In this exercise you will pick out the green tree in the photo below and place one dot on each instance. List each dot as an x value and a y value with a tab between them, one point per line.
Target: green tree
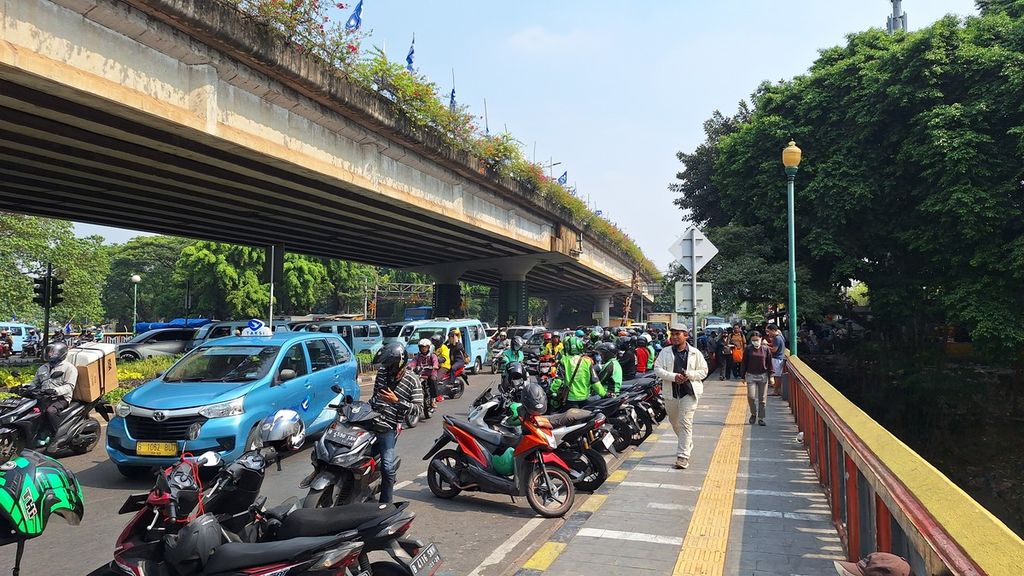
161	293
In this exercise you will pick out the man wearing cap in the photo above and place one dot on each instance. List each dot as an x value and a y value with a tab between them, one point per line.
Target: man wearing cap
684	369
875	564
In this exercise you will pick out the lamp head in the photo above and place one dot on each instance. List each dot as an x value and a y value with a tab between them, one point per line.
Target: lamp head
136	278
791	156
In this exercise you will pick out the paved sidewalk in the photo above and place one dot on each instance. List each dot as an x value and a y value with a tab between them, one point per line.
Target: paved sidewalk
748	505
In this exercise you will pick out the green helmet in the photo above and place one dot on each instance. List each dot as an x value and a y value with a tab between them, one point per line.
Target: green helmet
32	487
573	345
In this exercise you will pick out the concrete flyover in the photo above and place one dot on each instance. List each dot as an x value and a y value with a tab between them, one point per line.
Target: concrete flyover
186	117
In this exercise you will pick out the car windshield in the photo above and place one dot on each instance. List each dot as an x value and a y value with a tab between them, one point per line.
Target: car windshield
141	337
521	332
427	332
224	364
391	330
537	338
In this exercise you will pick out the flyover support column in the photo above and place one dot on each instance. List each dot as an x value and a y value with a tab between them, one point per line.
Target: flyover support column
513	303
447	300
603	305
554	307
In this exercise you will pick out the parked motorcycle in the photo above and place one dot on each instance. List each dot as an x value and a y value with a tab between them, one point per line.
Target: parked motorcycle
652	387
577	433
345	467
504	462
23	423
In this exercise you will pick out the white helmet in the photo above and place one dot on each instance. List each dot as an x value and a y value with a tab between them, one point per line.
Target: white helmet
646	337
284	430
424	342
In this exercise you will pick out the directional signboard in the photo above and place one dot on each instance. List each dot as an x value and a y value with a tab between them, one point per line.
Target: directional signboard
684	298
683	250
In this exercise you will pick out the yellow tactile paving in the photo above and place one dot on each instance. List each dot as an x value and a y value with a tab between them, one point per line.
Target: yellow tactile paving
617	476
593	503
544	556
703	552
637	454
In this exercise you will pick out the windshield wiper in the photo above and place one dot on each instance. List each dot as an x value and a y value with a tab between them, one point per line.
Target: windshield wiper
236	378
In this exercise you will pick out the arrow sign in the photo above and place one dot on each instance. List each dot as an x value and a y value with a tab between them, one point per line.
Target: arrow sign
693	241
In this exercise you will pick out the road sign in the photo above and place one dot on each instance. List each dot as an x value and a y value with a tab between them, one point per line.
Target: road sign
257	328
684	298
683	250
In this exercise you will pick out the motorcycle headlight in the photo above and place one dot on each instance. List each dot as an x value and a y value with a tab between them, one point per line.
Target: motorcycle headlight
223	409
123	409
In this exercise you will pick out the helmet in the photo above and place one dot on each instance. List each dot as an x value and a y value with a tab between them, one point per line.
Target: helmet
557	335
535	401
391	357
517	343
595	335
436	340
580	333
502	335
623	343
56	353
283	431
196	542
424	343
606	350
573	346
547	336
646	338
455	332
36	487
516	371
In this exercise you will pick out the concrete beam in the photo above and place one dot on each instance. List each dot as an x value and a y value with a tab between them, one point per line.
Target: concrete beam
510	267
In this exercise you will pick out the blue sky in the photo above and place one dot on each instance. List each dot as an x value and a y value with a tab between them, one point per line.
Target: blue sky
613	90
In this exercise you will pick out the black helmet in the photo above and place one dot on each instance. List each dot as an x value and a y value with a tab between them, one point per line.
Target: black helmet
534	400
606	350
56	353
622	343
436	340
195	543
515	371
391	357
517	343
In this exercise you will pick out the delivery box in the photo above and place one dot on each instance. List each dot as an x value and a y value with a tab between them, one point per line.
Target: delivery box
97	370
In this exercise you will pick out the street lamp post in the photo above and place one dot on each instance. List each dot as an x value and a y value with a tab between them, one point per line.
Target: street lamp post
791	160
135	303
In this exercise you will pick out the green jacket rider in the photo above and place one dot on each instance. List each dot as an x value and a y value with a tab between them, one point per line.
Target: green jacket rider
577	372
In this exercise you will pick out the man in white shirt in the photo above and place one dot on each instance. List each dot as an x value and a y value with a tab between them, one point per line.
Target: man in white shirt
682	369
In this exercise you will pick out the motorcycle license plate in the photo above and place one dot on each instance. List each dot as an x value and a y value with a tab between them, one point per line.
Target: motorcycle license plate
607	440
426	562
343	438
10	403
156	448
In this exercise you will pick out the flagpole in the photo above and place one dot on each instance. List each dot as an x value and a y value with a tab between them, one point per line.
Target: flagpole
487	127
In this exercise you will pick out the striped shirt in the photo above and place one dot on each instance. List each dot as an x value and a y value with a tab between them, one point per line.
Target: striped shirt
404	389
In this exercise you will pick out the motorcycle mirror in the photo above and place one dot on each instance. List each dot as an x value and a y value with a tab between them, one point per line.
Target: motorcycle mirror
337	389
193	431
208	459
348	399
57	374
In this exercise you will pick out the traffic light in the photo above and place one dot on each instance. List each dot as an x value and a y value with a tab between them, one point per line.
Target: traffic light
56	291
41	290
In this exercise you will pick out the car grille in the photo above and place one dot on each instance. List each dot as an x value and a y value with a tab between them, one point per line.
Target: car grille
144	428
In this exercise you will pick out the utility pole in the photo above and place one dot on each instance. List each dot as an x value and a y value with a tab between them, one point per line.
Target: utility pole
898	19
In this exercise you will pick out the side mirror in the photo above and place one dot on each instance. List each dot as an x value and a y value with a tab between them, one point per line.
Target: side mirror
337	389
348	399
57	374
159	374
208	459
193	431
286	374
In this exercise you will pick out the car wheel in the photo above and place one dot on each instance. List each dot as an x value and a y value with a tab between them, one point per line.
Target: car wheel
478	367
253	441
128	356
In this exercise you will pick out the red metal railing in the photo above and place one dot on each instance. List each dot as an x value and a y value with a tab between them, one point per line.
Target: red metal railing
885	497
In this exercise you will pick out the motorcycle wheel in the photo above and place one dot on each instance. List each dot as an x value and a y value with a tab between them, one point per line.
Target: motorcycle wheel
659	413
428	408
389	569
412	418
458	387
438	485
597	471
645	430
91	424
10	446
494	367
622	433
550	501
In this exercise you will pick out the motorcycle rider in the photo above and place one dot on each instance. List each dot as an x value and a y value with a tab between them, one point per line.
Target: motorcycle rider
455	354
56	356
514	353
555	347
428	365
627	357
651	354
6	344
576	372
392	398
610	373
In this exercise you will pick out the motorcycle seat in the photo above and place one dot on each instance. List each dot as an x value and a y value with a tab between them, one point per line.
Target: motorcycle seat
323	521
486	434
569	417
605	405
235	556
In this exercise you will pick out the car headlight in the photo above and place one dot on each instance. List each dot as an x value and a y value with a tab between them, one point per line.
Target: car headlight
223	409
123	409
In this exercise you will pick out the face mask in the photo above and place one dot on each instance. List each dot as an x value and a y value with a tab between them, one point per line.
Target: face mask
755	343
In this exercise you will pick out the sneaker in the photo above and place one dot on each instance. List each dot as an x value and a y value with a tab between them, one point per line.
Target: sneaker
761	422
682	463
721	377
752	418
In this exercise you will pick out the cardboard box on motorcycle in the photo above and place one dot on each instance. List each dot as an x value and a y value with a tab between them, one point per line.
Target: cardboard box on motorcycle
97	370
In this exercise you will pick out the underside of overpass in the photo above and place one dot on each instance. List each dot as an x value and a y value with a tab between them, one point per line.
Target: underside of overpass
76	144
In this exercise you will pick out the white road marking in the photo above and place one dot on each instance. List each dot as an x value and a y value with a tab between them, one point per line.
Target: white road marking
748	492
747	459
775	514
657	485
634	536
663	506
501	551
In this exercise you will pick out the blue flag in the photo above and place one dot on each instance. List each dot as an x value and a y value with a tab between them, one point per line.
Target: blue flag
356	19
408	58
67	327
598	212
563	178
451	105
14	317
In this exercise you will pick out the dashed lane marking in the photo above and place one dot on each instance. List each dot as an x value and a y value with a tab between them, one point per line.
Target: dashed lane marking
783	515
634	536
501	551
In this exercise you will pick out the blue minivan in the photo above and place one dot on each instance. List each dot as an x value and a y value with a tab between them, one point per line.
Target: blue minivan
18	332
474	338
228	386
360	335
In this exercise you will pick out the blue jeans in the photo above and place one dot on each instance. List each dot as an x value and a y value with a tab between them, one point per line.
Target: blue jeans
386	447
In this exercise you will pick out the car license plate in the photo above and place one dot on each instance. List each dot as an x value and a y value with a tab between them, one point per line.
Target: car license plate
426	562
156	448
607	440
